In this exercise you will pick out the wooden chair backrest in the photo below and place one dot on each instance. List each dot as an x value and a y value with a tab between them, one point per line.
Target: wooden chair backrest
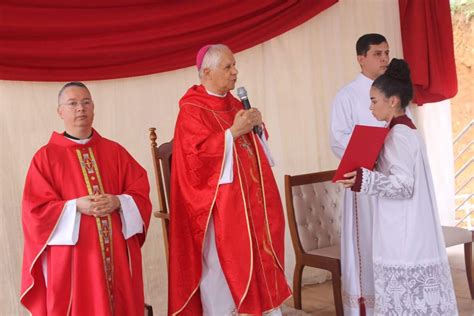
162	165
314	207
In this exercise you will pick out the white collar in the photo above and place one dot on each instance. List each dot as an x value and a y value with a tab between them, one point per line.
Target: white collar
215	94
80	141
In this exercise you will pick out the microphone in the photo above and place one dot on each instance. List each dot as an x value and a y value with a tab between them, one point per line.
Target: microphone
242	93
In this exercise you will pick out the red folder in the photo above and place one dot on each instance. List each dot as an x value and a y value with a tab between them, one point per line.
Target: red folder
362	151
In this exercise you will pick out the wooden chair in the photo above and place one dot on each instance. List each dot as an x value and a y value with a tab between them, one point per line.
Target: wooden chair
314	207
459	236
162	165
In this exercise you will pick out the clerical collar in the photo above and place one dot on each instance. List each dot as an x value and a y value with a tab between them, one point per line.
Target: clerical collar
402	119
78	140
215	94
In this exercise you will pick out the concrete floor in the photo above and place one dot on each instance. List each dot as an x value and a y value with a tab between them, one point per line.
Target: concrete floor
318	299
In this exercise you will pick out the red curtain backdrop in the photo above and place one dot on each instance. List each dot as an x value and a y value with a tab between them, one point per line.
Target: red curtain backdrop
427	36
57	40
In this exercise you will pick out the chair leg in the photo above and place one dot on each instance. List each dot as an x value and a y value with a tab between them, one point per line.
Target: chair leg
148	310
297	285
336	289
469	267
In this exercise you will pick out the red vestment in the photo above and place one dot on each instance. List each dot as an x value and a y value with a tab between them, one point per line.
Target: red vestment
248	214
76	275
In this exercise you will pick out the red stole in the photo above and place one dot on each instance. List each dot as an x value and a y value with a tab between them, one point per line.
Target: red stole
402	119
101	274
248	215
93	181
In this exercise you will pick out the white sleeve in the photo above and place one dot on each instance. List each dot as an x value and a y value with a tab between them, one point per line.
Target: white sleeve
67	230
132	222
228	170
266	149
44	266
394	186
399	181
342	123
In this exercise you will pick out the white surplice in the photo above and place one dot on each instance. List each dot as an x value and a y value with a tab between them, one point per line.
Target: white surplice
411	270
351	107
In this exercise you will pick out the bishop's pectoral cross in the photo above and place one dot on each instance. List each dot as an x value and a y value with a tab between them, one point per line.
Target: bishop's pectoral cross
245	144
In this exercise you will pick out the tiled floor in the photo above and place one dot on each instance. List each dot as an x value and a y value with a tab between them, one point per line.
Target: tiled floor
318	300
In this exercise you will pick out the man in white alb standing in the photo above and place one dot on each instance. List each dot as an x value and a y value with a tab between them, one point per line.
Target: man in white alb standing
351	107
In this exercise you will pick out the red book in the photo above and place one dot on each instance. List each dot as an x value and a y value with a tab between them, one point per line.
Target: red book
362	151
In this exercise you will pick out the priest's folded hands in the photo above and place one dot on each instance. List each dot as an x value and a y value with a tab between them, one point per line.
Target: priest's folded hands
98	205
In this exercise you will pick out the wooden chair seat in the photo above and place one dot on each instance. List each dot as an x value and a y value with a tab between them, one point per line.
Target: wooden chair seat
454	236
333	252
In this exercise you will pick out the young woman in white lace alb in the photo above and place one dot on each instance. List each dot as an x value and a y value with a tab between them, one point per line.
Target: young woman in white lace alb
411	270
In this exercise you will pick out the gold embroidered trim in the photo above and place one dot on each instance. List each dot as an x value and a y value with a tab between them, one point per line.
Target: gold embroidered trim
104	224
265	203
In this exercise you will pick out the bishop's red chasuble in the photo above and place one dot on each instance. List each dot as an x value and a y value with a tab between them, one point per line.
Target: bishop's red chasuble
102	273
247	213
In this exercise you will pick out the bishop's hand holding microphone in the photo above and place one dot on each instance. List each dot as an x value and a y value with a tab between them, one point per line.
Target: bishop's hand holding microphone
247	119
242	93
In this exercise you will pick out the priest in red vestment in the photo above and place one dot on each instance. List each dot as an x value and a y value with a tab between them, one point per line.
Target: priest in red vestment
227	225
85	214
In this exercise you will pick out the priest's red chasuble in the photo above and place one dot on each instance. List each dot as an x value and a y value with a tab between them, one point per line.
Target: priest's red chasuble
247	213
102	273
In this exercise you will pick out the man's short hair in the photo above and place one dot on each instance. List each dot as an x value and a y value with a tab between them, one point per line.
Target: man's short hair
72	84
364	42
212	57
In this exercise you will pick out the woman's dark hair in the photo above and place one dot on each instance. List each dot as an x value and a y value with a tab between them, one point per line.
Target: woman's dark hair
396	81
